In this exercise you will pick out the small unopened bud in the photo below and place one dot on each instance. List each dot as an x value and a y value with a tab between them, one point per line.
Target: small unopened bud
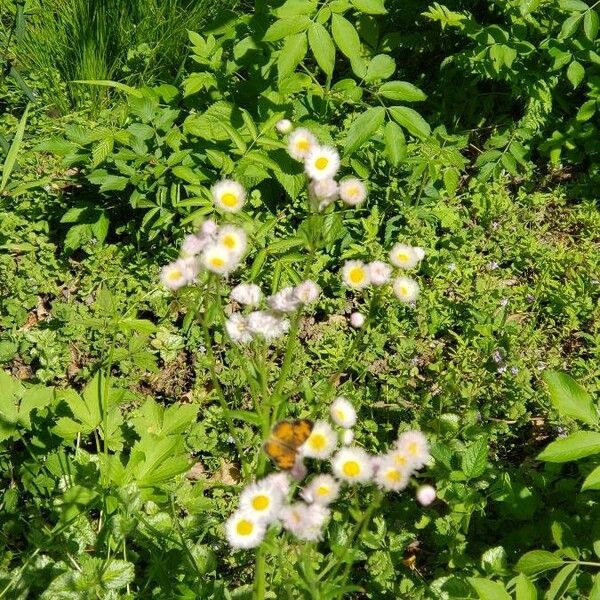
357	320
284	126
426	495
348	437
299	470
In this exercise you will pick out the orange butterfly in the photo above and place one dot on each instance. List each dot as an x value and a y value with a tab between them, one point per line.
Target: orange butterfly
287	436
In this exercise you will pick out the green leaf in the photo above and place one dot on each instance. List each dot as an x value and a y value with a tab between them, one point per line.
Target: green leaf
381	66
117	574
590	25
575	446
117	85
322	47
525	590
11	156
569	27
395	143
363	128
595	591
592	481
569	398
346	37
370	7
561	582
291	55
411	120
489	590
575	73
402	91
586	111
474	459
284	28
293	8
538	561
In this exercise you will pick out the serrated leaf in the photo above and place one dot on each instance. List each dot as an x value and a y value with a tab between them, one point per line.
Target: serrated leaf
284	28
381	66
322	47
575	73
538	561
363	128
590	25
575	446
395	143
474	459
402	91
117	574
370	7
346	37
569	27
291	55
411	120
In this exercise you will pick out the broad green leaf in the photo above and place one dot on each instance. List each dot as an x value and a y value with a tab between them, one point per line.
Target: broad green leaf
117	574
293	8
363	128
575	446
538	561
370	7
592	481
322	47
590	24
291	55
411	120
570	26
561	582
402	91
525	590
489	590
381	66
569	398
595	591
284	28
575	73
574	5
11	156
345	37
395	143
474	459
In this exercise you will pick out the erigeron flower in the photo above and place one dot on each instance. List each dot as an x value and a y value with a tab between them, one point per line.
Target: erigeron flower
405	257
229	195
379	272
321	442
179	273
304	521
415	444
353	191
322	162
401	458
243	530
300	143
323	489
357	320
233	238
406	289
284	126
267	324
426	495
209	228
355	274
246	293
280	481
262	500
218	259
322	193
284	301
390	476
347	437
419	252
343	413
193	245
238	330
307	292
352	464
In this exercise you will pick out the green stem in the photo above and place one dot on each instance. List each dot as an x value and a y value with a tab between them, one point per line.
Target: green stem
260	585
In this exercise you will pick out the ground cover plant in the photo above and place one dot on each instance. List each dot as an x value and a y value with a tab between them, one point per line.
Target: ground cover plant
295	318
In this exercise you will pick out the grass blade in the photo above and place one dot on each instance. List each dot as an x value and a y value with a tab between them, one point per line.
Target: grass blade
11	156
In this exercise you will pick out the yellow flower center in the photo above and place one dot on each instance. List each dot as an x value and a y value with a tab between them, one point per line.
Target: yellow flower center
402	257
303	145
356	275
403	290
352	191
393	476
245	527
321	163
340	414
317	441
230	200
229	241
323	490
351	468
260	502
175	275
413	448
217	262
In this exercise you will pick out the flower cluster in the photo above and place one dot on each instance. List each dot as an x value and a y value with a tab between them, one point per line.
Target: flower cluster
267	324
321	164
267	501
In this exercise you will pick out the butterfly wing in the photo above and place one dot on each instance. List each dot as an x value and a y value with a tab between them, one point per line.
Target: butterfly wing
287	436
283	456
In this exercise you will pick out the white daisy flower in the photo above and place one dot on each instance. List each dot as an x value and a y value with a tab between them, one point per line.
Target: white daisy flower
233	238
347	437
307	292
246	293
179	273
390	476
267	324
343	413
355	274
419	252
352	464
406	289
192	245
322	162
323	489
238	330
243	530
322	193
209	228
300	143
262	500
284	301
284	126
353	191
229	195
321	442
379	272
218	259
415	444
357	320
404	256
304	521
426	495
401	458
